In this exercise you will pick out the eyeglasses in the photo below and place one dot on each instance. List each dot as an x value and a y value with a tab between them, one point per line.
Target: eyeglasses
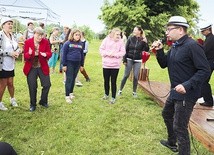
170	29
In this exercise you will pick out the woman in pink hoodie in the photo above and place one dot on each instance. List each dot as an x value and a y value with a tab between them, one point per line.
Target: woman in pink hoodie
112	51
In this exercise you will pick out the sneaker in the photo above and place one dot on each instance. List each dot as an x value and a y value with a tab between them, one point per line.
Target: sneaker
68	99
2	107
112	101
13	102
105	97
88	80
119	93
173	148
134	94
79	84
71	96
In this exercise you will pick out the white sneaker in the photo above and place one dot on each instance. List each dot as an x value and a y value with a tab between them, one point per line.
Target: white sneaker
13	102
105	97
2	107
112	101
71	96
79	84
68	99
134	94
119	93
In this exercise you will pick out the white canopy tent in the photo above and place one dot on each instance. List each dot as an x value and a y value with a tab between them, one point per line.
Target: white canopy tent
28	9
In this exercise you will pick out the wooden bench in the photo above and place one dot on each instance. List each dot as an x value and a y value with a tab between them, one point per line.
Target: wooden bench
201	129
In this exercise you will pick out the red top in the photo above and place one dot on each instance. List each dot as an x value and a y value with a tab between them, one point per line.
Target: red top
44	47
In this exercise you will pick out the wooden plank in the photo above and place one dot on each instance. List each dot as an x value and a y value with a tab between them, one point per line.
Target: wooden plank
200	128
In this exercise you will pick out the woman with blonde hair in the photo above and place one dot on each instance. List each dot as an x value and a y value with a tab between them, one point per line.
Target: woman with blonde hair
112	51
72	59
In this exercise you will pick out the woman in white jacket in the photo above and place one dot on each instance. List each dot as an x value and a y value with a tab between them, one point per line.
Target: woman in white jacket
8	52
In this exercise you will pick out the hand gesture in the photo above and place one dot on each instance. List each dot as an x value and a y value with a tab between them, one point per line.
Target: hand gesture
43	54
15	54
180	89
157	45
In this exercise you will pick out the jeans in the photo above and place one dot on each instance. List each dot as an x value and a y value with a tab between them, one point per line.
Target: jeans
176	115
136	70
71	74
110	74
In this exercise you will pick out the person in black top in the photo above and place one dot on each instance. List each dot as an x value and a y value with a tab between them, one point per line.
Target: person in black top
135	45
188	68
206	30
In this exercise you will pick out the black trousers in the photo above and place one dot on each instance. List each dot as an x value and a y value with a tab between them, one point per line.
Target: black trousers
176	115
32	85
206	88
110	74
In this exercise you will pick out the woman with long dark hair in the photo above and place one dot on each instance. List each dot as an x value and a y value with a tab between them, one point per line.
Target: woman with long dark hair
135	45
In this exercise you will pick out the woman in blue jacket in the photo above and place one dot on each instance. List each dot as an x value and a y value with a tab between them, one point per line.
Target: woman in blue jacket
72	60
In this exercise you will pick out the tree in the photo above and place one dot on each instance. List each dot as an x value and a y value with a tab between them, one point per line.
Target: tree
152	15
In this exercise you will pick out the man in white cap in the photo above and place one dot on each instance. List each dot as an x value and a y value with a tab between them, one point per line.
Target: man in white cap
188	68
206	30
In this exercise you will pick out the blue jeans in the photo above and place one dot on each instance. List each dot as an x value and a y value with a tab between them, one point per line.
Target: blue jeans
71	74
176	115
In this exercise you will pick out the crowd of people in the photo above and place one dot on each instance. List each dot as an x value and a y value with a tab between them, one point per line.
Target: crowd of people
190	65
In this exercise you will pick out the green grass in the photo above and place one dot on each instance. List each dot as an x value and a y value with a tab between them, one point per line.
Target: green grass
89	125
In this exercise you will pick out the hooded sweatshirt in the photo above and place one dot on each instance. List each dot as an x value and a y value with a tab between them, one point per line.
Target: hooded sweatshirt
112	52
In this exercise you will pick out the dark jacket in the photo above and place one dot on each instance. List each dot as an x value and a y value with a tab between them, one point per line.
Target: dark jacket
134	48
72	51
209	46
187	65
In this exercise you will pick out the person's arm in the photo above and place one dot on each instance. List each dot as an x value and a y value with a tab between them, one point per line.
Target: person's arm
121	51
64	53
52	41
27	50
86	47
47	53
162	58
202	68
103	51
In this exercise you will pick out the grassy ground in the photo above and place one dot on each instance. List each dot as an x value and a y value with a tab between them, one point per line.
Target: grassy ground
89	125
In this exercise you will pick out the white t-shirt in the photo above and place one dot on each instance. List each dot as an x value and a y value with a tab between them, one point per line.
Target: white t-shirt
9	62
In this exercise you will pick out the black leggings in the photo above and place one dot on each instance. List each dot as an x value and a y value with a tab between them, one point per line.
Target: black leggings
107	74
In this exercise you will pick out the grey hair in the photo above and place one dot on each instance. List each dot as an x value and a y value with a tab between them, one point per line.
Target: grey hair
38	30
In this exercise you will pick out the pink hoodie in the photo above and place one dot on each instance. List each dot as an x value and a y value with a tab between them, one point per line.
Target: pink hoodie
112	52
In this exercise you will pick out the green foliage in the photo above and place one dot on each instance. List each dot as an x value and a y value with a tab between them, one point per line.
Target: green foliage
89	34
152	15
89	125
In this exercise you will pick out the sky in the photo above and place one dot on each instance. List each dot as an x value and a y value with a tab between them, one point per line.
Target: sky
86	12
80	12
